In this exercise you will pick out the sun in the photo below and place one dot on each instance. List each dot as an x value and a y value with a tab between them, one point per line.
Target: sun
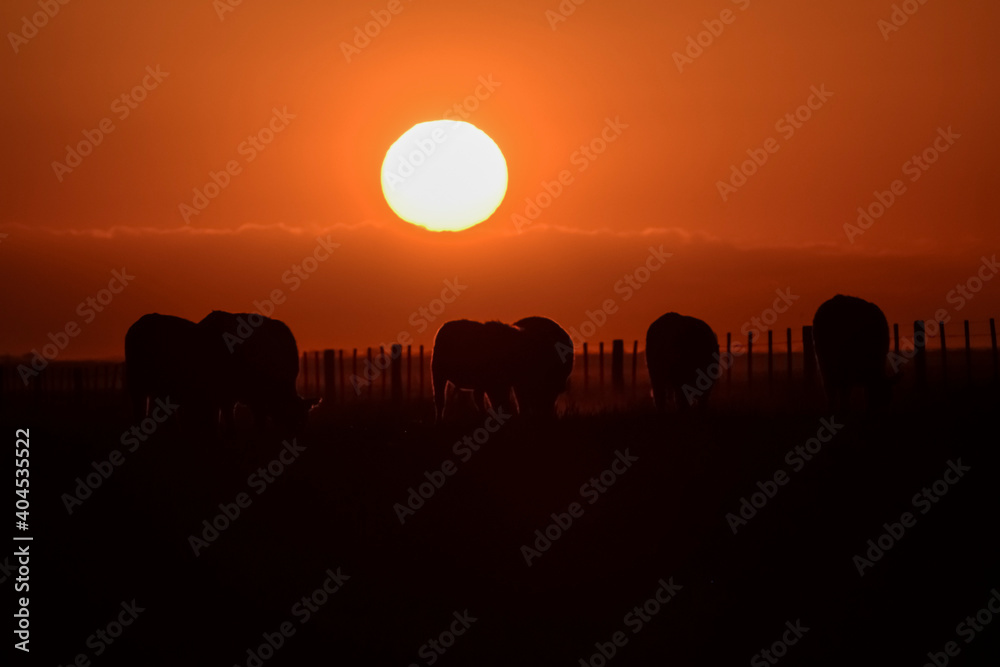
445	175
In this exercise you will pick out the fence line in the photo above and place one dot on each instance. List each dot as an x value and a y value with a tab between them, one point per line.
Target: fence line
322	371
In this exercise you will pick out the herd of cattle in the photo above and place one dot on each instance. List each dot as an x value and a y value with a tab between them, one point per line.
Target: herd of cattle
210	366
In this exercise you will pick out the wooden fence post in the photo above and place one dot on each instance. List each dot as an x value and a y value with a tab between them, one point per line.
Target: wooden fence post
305	372
788	352
396	366
968	354
729	361
618	365
329	375
920	356
383	370
340	367
993	343
944	354
770	358
600	365
635	364
808	356
420	364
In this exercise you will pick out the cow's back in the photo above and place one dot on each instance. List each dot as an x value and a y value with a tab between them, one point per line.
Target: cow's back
851	338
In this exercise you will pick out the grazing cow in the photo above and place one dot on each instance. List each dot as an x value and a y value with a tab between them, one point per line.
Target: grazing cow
677	348
493	359
160	362
851	337
551	350
257	362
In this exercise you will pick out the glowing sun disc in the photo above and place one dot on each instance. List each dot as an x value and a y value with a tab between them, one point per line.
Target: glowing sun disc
445	175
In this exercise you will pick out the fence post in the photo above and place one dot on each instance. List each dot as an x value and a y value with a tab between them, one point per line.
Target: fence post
383	371
586	367
920	348
305	372
635	364
354	374
770	357
808	356
993	343
749	358
788	352
729	361
396	364
340	368
618	365
329	375
600	365
968	354
944	354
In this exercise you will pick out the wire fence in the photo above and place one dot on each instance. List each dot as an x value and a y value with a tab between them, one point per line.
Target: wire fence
930	352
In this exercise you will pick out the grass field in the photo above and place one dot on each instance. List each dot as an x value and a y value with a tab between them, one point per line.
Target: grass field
334	505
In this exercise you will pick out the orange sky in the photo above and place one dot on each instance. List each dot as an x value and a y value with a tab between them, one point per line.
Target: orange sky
553	91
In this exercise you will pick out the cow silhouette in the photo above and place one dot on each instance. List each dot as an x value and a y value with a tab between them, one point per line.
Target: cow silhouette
256	360
851	337
520	368
163	359
677	348
549	352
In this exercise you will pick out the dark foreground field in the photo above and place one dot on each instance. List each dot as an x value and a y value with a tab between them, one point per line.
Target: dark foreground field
662	520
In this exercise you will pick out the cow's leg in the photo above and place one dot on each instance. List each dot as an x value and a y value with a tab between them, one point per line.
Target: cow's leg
659	396
440	385
500	398
479	397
